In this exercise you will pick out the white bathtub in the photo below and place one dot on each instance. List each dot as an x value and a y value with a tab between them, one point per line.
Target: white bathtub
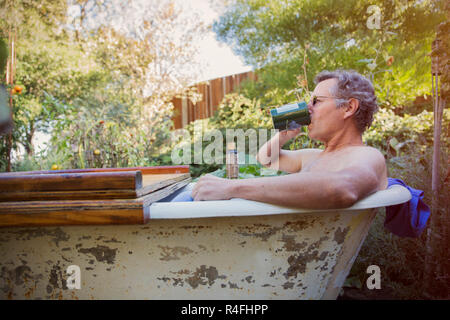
235	249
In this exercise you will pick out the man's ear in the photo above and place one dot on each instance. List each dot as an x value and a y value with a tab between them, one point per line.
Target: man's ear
351	107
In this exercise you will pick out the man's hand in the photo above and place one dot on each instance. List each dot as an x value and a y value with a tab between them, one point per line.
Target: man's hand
272	156
287	135
210	187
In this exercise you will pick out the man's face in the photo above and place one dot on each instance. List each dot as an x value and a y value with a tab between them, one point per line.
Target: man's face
326	118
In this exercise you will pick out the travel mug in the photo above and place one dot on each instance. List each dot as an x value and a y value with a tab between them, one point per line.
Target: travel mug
290	116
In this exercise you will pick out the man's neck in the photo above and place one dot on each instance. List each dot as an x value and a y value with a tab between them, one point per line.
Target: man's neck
342	140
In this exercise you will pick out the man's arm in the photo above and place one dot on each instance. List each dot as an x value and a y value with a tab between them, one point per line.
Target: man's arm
272	156
309	190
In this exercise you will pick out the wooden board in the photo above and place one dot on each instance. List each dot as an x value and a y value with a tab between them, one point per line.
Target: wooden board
83	212
144	170
71	181
150	183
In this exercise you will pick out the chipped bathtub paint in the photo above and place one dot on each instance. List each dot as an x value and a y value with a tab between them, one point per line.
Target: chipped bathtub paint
285	256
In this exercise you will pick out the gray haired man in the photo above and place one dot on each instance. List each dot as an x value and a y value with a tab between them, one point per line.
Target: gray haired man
341	108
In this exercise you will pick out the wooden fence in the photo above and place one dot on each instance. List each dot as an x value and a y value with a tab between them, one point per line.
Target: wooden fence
212	92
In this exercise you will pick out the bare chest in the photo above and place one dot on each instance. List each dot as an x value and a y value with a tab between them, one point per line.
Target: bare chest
327	163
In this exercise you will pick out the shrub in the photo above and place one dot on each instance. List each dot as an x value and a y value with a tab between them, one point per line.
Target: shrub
237	111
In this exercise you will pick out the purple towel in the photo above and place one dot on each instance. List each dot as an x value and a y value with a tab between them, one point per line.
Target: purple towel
407	219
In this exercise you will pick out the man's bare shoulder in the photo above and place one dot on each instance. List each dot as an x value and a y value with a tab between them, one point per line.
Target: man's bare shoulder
372	158
365	155
369	153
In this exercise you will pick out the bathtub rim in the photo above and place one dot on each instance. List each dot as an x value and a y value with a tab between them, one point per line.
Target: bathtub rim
235	207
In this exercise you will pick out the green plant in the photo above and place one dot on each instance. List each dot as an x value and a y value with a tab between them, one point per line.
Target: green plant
249	169
273	35
237	111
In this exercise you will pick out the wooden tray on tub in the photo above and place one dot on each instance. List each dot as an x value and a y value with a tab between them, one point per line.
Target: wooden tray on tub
86	196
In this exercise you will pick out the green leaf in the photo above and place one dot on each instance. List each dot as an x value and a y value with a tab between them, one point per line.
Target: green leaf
3	56
399	162
372	66
221	173
365	61
5	113
246	176
268	172
393	142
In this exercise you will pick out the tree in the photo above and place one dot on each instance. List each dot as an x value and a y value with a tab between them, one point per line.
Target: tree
275	34
151	49
19	20
147	53
86	54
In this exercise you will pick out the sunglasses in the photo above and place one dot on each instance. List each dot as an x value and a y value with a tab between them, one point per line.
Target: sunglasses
314	99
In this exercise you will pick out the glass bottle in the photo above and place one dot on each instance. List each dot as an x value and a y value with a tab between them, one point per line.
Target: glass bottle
232	166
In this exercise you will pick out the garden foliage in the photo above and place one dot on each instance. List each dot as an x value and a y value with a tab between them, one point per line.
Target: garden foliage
86	65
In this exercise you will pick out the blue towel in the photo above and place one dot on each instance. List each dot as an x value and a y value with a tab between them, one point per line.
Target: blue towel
407	219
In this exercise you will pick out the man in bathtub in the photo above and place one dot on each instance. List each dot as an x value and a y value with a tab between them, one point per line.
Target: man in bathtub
341	108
